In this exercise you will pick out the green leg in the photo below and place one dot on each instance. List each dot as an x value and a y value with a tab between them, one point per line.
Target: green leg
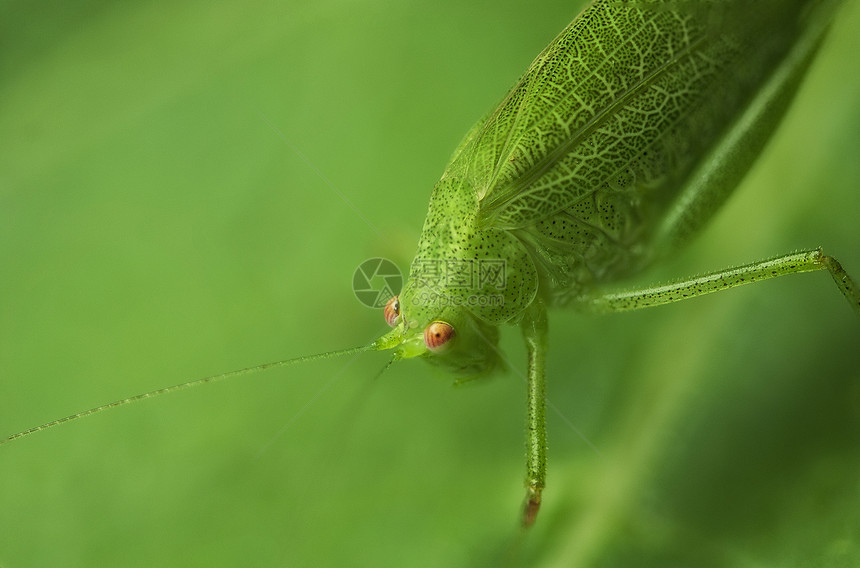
804	261
534	331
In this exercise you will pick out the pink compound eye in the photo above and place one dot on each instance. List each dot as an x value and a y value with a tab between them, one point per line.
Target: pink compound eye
437	335
392	311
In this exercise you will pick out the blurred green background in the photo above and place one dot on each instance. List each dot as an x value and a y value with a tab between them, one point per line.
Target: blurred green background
156	225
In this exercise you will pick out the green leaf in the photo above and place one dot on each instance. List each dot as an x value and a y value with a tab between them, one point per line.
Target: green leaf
155	228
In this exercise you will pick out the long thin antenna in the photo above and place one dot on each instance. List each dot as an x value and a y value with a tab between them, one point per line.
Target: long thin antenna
187	385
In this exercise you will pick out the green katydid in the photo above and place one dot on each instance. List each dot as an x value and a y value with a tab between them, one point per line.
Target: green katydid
619	143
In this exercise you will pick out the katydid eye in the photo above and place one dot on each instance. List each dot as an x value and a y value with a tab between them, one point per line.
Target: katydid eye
392	311
437	334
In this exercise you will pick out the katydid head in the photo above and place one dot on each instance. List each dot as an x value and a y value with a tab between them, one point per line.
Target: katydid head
445	335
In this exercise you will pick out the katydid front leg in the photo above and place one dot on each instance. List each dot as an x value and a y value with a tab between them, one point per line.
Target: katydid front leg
534	331
795	263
